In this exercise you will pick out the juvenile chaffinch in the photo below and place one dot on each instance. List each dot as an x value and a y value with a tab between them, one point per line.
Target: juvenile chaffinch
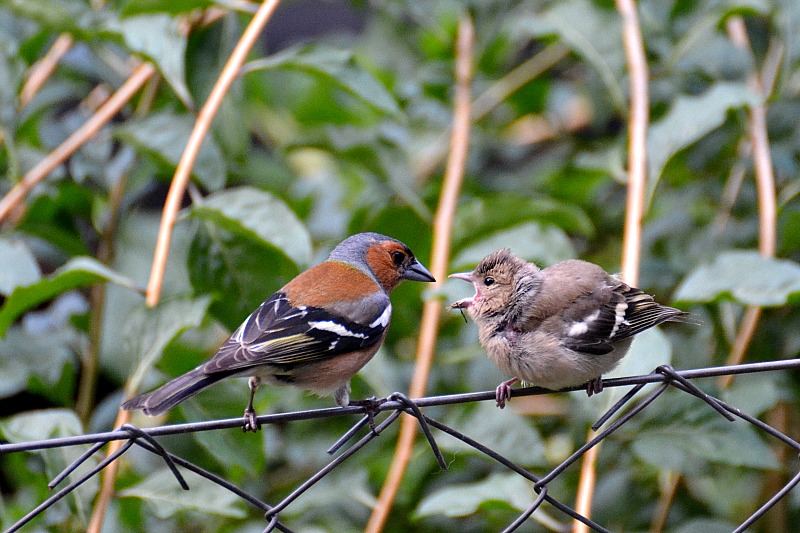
559	327
315	333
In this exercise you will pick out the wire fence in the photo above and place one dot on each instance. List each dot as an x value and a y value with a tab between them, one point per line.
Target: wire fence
665	377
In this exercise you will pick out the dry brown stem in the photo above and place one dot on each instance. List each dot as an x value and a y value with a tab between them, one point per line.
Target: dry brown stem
78	138
765	184
491	98
41	71
431	312
177	189
634	210
180	180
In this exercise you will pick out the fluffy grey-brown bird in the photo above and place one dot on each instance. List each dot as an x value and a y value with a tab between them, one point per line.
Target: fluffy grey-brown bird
559	327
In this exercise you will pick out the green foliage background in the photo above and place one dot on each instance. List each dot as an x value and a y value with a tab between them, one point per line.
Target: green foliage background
332	136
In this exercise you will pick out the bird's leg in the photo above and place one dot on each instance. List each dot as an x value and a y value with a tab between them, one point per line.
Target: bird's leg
594	386
503	392
251	423
370	405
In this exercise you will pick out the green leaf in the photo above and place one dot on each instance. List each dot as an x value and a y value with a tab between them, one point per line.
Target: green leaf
58	216
77	272
727	492
684	447
493	213
691	118
744	275
328	494
393	165
149	330
259	216
786	17
174	7
57	15
703	48
24	354
706	526
12	72
158	37
243	272
155	36
226	447
337	65
460	500
13	375
165	497
18	267
41	425
503	431
592	32
756	393
164	135
52	423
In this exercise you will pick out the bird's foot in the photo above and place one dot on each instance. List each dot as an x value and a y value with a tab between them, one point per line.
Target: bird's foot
464	303
503	392
251	422
370	406
594	386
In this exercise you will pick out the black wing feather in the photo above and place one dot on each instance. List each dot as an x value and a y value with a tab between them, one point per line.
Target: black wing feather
281	334
627	312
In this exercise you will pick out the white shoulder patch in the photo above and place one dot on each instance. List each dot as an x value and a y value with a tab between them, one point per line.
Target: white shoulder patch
582	326
383	320
335	327
577	329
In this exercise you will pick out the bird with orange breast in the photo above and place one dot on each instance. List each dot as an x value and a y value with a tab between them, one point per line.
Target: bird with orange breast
315	333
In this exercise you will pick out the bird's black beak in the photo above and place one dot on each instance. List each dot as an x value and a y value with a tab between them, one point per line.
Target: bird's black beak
417	272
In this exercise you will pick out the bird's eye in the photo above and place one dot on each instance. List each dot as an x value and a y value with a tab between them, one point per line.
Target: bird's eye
488	281
398	258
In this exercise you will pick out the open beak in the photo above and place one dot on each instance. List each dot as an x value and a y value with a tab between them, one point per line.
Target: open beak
417	272
464	302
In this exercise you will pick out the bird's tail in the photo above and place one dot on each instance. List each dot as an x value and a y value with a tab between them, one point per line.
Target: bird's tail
172	393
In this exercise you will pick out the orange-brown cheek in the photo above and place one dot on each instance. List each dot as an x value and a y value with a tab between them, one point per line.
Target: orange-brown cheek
380	261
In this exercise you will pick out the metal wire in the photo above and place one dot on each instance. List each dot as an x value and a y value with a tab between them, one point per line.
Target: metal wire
396	404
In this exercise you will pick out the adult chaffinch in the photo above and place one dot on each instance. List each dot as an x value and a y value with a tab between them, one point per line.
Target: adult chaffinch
315	333
559	327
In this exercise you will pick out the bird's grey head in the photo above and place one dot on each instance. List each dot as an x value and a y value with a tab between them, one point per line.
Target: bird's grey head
385	259
354	248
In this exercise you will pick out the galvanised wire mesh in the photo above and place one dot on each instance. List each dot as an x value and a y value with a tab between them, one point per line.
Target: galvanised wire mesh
380	414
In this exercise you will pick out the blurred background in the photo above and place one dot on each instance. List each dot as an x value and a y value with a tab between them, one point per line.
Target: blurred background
340	123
